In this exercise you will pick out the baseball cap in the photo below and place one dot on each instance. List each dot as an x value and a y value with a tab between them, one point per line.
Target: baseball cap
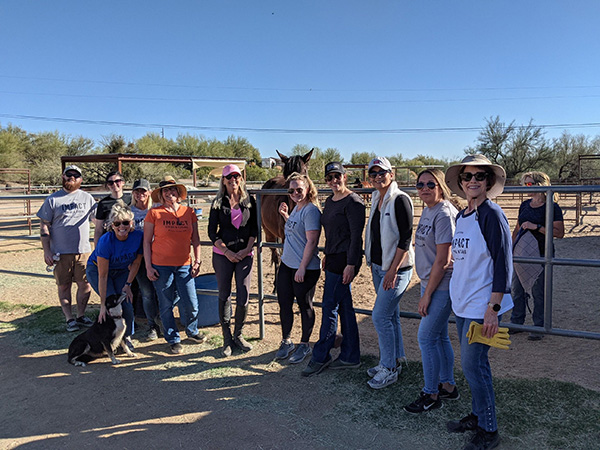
142	183
231	168
380	161
72	167
334	167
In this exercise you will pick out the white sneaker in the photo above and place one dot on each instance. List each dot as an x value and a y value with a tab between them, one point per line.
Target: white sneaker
383	378
373	370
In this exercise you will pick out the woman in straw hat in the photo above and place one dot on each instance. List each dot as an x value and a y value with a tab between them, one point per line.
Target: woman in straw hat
233	229
480	285
169	230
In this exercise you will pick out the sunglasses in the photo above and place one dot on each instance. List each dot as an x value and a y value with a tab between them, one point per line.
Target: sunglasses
291	191
124	222
430	185
72	175
529	183
111	182
233	175
479	176
333	176
381	173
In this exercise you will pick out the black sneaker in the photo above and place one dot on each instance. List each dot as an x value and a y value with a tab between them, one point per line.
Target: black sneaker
85	321
467	423
445	395
423	403
176	348
314	368
483	440
535	337
338	364
197	338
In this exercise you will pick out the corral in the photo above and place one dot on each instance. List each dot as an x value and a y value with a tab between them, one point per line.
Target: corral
160	400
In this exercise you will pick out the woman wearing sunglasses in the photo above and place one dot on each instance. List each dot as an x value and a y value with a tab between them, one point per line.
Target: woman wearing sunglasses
389	252
532	220
114	263
433	258
169	231
480	285
115	182
233	229
343	220
300	265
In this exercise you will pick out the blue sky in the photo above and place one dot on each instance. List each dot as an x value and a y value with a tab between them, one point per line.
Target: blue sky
342	71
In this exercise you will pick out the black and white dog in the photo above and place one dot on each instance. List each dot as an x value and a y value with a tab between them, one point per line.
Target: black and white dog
102	338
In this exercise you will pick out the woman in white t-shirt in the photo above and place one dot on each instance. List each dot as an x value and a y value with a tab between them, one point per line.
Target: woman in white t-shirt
433	262
300	265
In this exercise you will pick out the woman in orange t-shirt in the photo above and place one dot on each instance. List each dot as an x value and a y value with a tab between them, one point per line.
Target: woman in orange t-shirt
169	230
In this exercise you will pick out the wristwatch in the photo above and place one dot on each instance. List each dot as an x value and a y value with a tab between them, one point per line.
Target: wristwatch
538	226
495	306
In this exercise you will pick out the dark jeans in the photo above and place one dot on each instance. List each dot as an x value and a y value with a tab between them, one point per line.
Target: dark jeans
477	371
520	299
149	298
337	301
225	270
287	291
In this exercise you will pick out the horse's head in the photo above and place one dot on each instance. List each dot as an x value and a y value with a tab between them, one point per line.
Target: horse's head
295	163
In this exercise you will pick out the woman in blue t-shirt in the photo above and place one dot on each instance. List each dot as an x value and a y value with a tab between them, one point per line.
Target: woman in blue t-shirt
113	265
300	265
532	219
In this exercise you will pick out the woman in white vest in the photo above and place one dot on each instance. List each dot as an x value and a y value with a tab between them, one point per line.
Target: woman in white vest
389	253
480	285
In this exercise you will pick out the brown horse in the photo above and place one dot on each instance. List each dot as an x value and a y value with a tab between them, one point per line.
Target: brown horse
272	222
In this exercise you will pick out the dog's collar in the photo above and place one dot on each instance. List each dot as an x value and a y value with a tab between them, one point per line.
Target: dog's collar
116	317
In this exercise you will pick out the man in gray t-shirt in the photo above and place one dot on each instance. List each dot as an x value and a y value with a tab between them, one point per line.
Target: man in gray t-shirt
65	234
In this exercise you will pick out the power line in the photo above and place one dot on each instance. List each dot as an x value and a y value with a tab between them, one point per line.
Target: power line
307	89
285	130
297	102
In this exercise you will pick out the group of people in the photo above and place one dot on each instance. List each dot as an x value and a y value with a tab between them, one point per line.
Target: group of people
463	259
144	237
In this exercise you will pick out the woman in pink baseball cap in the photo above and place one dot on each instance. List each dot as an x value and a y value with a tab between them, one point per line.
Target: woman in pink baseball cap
233	229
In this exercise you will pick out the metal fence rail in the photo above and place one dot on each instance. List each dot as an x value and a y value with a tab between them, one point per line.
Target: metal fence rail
548	261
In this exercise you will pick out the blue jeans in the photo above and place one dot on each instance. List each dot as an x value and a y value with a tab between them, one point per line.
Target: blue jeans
477	371
436	351
520	298
170	277
337	300
114	286
149	298
386	315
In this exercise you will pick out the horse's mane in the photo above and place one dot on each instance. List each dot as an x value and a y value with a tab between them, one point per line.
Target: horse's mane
294	163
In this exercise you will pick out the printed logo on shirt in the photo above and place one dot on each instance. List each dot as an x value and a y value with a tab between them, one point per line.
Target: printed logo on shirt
176	225
421	234
290	224
73	206
460	247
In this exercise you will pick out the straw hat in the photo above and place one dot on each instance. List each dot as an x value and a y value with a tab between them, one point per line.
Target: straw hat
475	160
168	181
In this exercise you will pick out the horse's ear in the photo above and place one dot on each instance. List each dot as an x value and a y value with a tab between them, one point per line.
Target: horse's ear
283	158
306	157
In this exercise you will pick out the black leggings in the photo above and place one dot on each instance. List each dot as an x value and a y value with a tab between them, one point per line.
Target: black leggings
287	290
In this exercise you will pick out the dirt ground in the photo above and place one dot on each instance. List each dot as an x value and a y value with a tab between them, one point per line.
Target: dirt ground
160	400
